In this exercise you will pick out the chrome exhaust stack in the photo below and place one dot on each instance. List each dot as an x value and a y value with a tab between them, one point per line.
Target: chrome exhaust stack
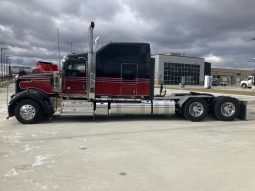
91	68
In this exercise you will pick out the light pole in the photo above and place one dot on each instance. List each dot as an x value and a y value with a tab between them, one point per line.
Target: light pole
4	65
8	64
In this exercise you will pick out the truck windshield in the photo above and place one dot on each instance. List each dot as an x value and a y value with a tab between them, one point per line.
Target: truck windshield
76	67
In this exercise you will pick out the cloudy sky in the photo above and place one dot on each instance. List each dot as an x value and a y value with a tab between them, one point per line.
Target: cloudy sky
218	30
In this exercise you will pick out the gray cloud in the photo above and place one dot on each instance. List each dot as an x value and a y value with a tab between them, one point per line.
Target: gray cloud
220	30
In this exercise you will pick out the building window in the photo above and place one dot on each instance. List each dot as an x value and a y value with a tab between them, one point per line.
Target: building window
173	73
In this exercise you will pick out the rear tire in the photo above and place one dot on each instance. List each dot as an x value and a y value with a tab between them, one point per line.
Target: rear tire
226	108
195	109
28	112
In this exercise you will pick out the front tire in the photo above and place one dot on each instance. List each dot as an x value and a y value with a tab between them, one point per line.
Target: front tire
226	108
195	109
244	86
28	112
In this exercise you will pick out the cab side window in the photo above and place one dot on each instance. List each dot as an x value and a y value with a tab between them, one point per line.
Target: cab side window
76	68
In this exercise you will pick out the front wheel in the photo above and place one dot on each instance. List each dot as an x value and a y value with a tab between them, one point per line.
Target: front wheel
28	111
196	109
226	108
244	86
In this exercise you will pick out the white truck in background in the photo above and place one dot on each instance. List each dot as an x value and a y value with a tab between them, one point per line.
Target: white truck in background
248	82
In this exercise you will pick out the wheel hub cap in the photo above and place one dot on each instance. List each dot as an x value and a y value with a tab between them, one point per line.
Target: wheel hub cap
196	109
228	109
27	112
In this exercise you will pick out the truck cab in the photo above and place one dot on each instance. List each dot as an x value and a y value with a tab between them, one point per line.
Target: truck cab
248	82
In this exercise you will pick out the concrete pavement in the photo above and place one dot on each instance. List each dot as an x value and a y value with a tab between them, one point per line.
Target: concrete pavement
127	154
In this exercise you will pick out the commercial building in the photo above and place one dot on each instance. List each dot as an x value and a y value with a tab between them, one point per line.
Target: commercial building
231	76
171	68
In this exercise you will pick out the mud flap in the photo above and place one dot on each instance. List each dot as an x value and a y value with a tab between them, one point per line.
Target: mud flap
243	110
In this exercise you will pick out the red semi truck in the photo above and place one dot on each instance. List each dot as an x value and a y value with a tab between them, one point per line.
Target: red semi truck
117	79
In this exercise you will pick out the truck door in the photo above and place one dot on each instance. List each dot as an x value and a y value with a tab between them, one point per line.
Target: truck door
129	74
75	77
250	81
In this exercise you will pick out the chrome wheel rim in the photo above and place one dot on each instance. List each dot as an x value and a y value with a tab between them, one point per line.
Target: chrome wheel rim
27	112
196	109
228	109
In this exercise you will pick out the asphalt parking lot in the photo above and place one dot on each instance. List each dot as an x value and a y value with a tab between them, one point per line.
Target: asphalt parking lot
128	153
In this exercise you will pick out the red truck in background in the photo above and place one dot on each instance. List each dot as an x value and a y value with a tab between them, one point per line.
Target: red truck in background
117	79
45	67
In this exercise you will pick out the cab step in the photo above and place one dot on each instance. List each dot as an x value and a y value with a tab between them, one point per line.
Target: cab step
76	108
